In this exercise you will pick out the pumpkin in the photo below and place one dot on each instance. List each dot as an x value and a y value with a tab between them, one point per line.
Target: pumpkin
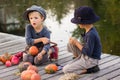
23	66
26	75
0	58
35	77
5	57
32	67
51	68
15	60
33	50
8	64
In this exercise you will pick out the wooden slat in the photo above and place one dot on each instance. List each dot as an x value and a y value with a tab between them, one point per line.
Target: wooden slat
11	43
104	69
47	77
4	35
104	56
62	51
116	78
109	64
101	64
63	61
13	71
110	74
9	38
13	49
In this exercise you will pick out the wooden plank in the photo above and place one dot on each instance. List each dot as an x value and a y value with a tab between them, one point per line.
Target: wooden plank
6	69
110	75
116	78
3	75
58	76
11	43
5	35
14	46
13	49
44	79
10	38
41	68
10	78
109	64
104	69
66	58
62	50
101	63
59	72
108	58
60	57
12	72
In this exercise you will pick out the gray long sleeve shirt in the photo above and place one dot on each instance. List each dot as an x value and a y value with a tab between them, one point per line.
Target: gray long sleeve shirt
30	35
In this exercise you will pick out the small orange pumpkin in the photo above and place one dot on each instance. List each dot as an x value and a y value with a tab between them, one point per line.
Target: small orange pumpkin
0	58
32	67
5	57
3	60
26	75
36	77
33	50
51	68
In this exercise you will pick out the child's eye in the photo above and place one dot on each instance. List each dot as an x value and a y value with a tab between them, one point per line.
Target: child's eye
36	17
30	18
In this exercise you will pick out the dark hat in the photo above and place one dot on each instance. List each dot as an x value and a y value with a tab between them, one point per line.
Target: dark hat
34	8
84	15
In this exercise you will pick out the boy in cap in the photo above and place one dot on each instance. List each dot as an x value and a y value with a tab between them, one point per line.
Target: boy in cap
89	53
36	34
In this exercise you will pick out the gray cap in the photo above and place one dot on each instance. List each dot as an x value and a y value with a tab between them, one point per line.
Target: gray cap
34	8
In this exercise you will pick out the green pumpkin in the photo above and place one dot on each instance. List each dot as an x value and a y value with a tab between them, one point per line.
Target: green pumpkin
23	66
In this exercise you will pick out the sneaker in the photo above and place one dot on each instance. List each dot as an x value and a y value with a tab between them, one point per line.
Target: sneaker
60	67
74	57
93	69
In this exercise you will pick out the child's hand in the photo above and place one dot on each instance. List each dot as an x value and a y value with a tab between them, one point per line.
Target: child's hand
39	56
45	40
73	41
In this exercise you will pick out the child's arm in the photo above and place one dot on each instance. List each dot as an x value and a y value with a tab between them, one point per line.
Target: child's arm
31	39
40	55
79	45
75	42
45	40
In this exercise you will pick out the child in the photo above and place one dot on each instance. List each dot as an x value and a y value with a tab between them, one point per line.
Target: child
36	34
87	54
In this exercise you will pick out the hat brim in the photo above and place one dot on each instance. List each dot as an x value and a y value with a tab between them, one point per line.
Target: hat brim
25	14
85	21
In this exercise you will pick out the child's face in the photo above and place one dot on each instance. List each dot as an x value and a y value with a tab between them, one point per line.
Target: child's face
35	19
81	25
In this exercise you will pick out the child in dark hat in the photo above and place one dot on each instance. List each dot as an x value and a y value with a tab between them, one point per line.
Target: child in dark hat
36	34
87	54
